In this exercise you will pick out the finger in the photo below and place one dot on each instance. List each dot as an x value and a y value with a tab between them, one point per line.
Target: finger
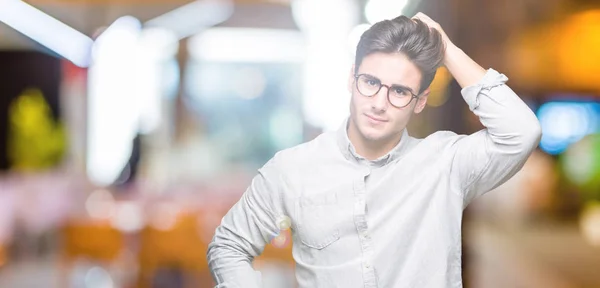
432	24
418	17
422	17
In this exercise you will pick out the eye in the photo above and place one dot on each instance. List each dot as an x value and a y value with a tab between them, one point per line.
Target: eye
372	82
401	91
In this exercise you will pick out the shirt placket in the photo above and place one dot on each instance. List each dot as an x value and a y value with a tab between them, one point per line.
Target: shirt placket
360	220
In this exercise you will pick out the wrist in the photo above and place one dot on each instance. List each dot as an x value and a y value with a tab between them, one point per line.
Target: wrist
450	54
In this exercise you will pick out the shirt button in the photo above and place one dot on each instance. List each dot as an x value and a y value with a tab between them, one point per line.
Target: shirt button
367	265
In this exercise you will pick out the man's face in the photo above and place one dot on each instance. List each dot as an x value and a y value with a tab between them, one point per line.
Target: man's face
374	118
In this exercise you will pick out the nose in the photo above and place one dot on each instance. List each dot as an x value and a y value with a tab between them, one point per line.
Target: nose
380	101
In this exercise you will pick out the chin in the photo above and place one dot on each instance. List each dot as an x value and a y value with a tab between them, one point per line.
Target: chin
371	134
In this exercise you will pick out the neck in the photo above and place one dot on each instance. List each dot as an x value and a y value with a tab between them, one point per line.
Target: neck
371	149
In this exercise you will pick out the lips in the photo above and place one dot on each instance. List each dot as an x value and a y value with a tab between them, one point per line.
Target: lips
375	118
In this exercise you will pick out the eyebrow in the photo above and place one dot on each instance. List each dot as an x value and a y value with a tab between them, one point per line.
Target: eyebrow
393	85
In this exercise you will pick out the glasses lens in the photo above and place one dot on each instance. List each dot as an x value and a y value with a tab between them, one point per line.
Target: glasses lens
400	96
367	86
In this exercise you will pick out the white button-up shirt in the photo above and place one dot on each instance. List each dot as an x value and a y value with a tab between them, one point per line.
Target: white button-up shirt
390	222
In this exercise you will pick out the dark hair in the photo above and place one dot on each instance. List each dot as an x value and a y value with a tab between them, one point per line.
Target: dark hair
424	47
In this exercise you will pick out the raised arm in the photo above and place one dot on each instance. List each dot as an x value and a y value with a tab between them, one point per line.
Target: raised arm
245	230
489	157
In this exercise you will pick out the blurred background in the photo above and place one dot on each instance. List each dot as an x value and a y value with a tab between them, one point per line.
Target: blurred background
128	129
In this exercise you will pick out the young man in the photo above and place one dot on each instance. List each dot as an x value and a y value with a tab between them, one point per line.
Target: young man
369	205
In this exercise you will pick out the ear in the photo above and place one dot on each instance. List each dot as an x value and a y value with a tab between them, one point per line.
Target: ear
421	101
351	79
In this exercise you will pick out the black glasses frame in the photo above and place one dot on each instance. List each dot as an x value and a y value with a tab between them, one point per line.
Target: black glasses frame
414	96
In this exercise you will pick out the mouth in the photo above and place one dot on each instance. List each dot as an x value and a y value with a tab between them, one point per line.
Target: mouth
375	119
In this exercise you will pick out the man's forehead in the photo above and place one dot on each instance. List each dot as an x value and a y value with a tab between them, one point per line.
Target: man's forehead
391	69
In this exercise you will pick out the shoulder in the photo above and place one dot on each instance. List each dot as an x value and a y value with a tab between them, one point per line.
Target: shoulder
305	153
442	136
439	141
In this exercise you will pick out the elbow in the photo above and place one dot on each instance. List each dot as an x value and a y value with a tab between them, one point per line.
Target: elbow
532	134
217	257
217	252
529	134
225	251
523	138
229	267
212	253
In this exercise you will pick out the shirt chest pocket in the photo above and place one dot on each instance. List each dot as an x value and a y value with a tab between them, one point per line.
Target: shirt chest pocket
318	219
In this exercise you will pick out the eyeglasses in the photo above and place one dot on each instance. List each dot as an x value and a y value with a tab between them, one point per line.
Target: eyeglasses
399	96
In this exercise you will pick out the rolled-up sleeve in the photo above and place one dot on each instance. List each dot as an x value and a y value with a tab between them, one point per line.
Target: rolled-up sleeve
491	156
245	230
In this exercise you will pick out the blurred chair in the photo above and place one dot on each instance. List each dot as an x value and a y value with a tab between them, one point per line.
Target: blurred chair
179	247
97	241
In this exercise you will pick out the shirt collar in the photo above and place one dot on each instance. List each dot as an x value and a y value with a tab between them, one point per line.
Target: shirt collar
349	151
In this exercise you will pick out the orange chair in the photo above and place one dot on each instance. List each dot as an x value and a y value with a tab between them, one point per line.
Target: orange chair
95	240
179	246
